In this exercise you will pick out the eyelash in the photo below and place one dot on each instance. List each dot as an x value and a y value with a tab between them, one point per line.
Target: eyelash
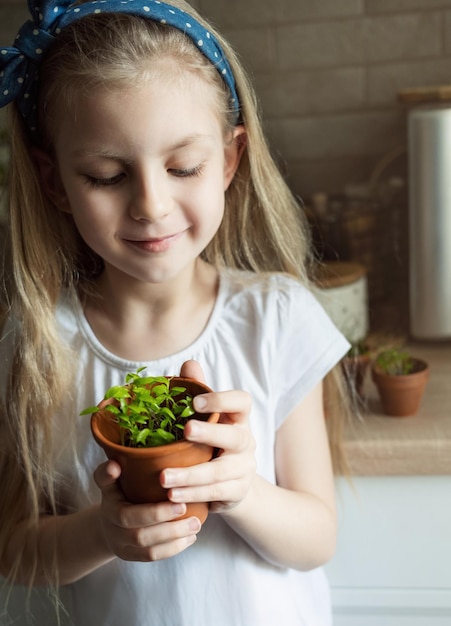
187	173
103	182
114	180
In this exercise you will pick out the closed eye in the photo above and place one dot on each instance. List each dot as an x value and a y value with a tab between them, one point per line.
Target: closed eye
104	182
186	172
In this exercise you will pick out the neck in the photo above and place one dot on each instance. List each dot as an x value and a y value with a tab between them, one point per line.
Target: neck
144	322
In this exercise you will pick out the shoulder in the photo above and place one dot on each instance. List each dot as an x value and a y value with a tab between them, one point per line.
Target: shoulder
284	311
264	287
278	324
278	312
271	295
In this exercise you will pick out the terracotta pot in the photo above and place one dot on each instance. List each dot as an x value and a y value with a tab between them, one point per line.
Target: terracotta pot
401	395
355	368
141	467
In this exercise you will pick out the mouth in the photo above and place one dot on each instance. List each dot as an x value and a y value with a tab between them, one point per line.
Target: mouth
154	244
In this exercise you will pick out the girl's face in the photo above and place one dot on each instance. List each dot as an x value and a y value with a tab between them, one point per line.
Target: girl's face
143	172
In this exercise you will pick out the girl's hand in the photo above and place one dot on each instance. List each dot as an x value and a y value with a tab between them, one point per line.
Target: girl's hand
141	532
226	480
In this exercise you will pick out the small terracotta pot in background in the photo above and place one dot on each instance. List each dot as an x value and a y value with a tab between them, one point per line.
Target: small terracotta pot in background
141	467
401	395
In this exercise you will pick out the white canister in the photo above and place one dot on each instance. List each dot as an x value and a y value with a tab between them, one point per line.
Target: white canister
342	289
429	139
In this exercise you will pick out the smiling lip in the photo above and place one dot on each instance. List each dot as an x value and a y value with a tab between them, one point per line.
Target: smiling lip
160	244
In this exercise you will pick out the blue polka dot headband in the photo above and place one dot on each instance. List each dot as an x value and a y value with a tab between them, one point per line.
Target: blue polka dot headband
19	64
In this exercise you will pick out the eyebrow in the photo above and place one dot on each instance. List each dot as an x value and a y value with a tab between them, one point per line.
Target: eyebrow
109	154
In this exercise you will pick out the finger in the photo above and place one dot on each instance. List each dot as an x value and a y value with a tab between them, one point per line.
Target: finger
149	543
232	464
221	436
167	548
228	491
192	369
125	514
145	515
145	537
181	481
234	405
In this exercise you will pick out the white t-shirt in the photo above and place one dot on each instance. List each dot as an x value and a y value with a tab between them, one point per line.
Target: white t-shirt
267	336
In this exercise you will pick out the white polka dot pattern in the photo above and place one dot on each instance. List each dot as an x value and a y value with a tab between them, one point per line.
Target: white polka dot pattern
19	64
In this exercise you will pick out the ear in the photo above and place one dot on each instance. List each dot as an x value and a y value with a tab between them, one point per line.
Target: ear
233	152
50	179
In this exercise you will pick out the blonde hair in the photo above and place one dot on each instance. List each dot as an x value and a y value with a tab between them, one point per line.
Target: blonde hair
262	231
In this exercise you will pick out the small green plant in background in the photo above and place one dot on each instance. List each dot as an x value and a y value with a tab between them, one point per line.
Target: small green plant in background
358	348
149	412
395	362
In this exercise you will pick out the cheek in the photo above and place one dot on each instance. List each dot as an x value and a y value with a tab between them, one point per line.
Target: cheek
87	210
84	220
89	232
94	228
208	211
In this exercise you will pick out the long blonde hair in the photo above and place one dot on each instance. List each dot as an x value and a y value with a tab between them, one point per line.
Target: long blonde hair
262	231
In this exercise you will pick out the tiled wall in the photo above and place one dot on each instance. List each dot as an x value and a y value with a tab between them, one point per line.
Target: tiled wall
327	74
328	71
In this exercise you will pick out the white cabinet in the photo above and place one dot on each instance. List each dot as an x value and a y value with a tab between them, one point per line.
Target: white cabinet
393	562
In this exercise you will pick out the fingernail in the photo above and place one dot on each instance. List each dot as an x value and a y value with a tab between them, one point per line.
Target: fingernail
194	524
199	403
178	509
176	494
168	479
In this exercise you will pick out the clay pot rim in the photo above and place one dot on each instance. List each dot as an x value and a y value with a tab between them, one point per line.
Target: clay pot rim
422	370
167	448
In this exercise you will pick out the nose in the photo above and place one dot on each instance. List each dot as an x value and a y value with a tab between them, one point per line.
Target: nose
150	199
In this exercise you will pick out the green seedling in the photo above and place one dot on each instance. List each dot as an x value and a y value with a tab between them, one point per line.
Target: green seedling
149	412
358	348
395	362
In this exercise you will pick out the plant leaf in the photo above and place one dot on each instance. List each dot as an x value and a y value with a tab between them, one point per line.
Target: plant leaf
167	412
159	437
147	409
142	436
165	436
112	409
160	390
90	410
117	392
187	412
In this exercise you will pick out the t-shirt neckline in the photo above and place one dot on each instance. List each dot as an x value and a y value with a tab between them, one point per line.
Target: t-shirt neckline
180	356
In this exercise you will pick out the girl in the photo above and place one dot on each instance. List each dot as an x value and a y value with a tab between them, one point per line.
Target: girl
149	226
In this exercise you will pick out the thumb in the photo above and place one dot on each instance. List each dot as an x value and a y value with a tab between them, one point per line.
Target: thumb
106	476
192	369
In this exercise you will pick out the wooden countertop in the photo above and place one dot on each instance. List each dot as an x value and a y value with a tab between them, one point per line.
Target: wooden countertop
378	445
